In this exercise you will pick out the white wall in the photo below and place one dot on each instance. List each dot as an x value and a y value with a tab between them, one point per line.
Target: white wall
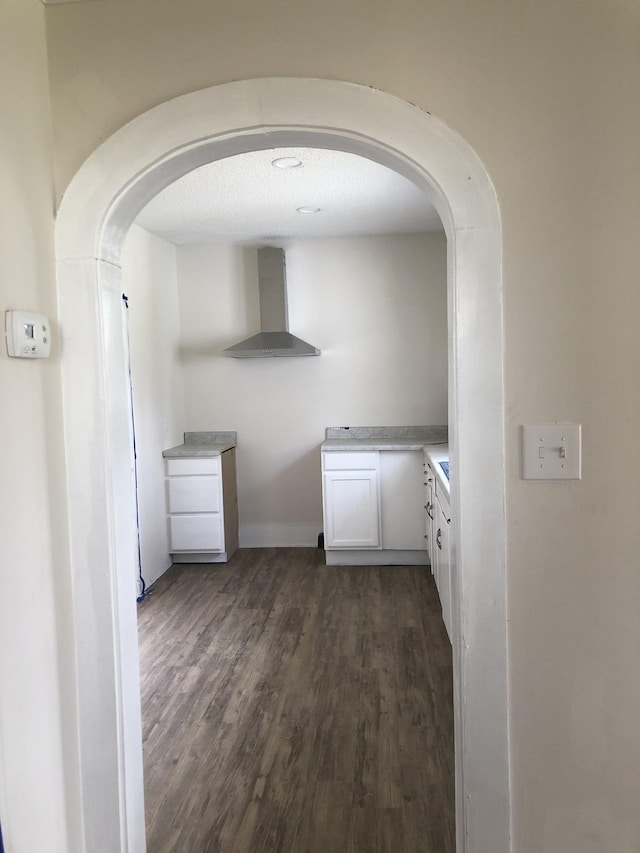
375	307
150	282
546	94
33	807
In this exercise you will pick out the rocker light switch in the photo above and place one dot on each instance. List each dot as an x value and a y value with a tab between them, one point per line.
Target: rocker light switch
551	452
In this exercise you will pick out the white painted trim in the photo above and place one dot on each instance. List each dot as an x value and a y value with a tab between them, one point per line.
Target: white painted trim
97	210
375	557
279	535
200	557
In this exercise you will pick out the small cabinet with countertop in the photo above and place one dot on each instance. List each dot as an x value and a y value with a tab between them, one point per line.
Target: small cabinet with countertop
373	494
201	495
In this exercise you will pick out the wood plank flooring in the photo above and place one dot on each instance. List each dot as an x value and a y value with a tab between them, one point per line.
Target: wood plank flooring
291	707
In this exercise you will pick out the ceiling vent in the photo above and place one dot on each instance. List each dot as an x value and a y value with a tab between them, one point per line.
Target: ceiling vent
274	340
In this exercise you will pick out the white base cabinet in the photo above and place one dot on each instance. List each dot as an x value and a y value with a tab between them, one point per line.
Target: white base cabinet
202	507
442	523
437	519
429	514
373	507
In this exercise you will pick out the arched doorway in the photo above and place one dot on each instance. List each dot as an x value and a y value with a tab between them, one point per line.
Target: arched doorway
97	210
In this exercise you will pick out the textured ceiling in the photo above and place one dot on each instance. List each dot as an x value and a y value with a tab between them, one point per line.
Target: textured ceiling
246	199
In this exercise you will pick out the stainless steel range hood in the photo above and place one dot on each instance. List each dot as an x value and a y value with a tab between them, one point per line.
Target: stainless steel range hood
274	340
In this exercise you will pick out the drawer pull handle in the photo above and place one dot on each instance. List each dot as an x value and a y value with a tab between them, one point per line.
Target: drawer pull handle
439	539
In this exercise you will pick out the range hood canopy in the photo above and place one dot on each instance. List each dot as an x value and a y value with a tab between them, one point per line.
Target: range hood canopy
274	340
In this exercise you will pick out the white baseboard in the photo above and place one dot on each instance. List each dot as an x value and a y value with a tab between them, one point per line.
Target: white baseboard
279	535
152	573
376	558
200	557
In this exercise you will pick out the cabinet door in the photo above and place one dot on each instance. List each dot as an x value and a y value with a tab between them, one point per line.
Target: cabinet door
444	566
351	509
402	500
429	515
195	532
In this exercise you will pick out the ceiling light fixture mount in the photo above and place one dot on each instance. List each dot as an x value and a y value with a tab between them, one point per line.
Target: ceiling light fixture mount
308	209
286	162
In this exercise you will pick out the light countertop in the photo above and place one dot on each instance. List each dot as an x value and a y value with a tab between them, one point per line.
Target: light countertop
431	440
384	438
374	444
202	444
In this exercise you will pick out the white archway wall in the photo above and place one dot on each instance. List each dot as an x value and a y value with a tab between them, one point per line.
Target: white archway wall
95	215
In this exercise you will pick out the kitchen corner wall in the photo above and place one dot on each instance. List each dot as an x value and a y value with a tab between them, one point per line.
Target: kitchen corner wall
374	306
150	282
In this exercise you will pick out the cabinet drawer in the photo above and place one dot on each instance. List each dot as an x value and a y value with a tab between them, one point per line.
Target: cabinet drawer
195	533
193	465
362	460
194	494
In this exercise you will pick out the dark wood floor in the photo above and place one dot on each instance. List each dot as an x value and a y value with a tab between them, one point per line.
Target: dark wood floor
291	707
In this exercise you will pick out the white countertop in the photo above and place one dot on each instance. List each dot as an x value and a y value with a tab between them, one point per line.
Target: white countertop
202	444
428	440
210	449
375	444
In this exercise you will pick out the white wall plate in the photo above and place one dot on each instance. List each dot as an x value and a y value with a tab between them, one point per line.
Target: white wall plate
551	451
28	334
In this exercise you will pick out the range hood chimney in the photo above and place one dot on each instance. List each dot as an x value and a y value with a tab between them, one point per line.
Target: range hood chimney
274	340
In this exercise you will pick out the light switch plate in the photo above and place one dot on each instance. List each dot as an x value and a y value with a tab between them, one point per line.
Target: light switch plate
551	451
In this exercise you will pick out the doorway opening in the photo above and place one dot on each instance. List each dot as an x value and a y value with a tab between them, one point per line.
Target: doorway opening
365	278
101	203
367	282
